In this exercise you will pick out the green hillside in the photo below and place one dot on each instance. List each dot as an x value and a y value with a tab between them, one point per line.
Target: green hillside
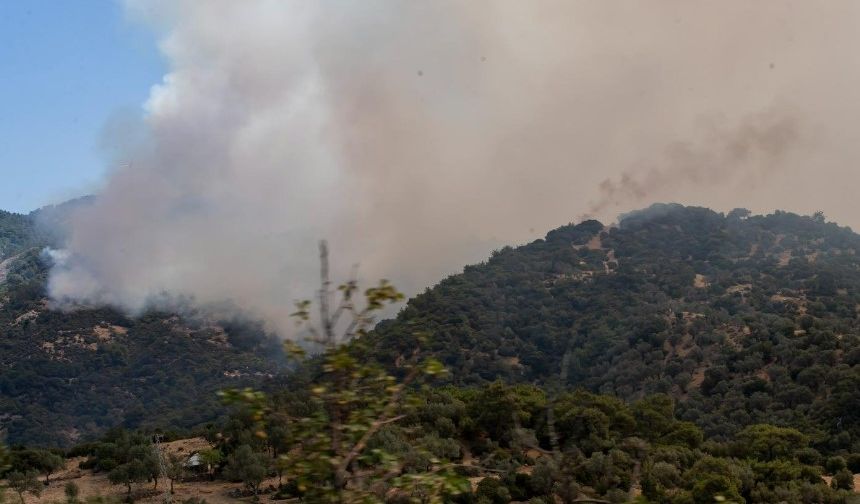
681	356
743	319
66	377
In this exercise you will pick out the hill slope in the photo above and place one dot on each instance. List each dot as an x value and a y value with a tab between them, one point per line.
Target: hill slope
743	318
67	377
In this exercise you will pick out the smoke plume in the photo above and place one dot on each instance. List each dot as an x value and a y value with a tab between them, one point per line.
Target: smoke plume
418	136
746	154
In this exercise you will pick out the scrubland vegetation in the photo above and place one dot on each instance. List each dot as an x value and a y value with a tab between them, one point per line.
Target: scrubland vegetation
683	356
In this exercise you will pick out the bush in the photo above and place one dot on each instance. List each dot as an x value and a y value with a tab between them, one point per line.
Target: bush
835	464
808	456
443	448
843	480
853	463
246	466
711	486
71	490
665	475
493	491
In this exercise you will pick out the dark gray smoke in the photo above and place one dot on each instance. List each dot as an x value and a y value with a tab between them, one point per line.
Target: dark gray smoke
744	156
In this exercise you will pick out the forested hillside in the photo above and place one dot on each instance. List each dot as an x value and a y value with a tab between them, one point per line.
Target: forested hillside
680	356
66	377
743	319
16	233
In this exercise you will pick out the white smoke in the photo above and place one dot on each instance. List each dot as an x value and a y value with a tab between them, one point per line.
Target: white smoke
418	136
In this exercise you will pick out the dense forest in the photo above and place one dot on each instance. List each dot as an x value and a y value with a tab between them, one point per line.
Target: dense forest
487	444
66	377
680	356
743	319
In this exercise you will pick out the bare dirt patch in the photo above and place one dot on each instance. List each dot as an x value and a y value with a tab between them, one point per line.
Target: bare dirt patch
5	265
798	302
697	378
739	288
103	333
30	315
753	250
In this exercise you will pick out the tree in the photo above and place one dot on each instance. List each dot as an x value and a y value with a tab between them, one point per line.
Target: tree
212	459
711	476
712	486
175	469
492	491
768	442
655	415
4	465
139	465
247	466
5	458
48	463
843	479
280	466
684	434
126	474
738	213
834	464
25	482
853	462
348	405
42	461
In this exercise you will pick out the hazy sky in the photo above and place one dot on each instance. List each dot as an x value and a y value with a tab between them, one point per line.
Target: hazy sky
417	136
66	67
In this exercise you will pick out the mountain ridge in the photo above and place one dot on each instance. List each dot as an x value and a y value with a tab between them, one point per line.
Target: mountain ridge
742	318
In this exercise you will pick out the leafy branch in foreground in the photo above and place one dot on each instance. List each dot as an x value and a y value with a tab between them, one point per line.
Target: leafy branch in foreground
357	320
329	456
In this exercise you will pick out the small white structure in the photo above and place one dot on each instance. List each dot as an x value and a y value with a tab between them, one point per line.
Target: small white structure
194	462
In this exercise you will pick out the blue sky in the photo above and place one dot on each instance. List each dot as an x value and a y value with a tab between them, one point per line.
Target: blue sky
66	68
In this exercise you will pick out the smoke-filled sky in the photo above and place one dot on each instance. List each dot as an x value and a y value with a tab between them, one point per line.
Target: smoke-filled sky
418	136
